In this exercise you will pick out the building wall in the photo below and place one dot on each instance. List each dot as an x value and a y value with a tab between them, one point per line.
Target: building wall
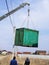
40	52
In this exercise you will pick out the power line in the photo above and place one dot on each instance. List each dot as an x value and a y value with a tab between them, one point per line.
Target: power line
8	12
11	23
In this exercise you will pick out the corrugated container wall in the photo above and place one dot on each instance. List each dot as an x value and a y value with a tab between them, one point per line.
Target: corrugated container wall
26	37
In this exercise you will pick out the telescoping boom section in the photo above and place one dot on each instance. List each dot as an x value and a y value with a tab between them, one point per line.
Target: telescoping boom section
14	10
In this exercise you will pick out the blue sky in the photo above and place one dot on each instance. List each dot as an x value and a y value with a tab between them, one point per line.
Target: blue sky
39	19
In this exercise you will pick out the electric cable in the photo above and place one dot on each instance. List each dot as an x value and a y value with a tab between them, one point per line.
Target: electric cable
11	23
8	12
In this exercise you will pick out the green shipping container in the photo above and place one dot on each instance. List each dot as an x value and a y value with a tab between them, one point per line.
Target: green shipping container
26	37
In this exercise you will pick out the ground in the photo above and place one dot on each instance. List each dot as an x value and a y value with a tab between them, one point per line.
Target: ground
5	60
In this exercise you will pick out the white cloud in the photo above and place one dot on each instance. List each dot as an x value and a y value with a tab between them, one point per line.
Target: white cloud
44	42
39	15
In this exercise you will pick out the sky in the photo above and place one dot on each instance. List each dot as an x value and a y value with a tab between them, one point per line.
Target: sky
38	19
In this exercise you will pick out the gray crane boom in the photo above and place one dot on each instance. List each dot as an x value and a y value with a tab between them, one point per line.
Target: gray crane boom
14	10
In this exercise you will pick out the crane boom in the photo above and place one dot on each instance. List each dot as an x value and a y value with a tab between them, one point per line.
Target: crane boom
14	10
